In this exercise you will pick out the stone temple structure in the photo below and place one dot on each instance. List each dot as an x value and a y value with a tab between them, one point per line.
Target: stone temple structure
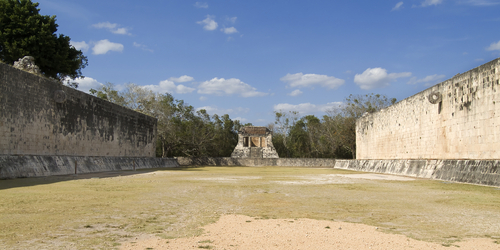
254	142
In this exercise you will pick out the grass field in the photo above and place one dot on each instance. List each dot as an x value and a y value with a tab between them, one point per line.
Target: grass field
99	211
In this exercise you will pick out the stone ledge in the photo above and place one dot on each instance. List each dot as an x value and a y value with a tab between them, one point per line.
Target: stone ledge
42	165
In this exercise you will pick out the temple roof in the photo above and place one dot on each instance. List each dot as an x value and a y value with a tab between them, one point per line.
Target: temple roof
254	130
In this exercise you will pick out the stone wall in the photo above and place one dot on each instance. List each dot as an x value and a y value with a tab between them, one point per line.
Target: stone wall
482	172
256	162
12	166
254	142
456	119
39	116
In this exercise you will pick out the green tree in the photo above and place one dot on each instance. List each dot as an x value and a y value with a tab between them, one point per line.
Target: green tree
181	130
341	121
24	32
284	122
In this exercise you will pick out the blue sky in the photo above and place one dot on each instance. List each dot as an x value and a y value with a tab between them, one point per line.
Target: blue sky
251	58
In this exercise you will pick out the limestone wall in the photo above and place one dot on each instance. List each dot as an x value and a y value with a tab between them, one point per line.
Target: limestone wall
256	162
12	166
254	142
39	116
456	119
483	172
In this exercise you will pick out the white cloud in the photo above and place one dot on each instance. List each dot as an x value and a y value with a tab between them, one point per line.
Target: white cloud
221	86
170	87
377	78
201	5
203	98
83	46
229	30
427	80
242	120
309	80
494	46
307	108
431	2
103	46
295	93
87	83
231	19
398	6
209	23
184	78
143	47
113	27
482	2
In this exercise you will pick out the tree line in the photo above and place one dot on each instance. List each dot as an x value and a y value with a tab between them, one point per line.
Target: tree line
332	136
183	131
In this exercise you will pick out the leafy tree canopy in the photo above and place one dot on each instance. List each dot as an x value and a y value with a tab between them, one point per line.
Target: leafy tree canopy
24	32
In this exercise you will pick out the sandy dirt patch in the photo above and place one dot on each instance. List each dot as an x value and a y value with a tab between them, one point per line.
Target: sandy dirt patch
243	232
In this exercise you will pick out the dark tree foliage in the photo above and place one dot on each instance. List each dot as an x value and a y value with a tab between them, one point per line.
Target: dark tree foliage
182	131
24	32
334	136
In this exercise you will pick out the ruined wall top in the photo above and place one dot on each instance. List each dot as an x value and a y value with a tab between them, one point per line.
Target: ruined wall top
251	130
254	142
27	63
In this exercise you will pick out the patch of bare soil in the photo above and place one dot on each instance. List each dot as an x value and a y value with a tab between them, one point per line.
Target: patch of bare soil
243	232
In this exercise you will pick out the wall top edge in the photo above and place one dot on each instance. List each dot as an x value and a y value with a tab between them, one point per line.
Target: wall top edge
4	66
438	85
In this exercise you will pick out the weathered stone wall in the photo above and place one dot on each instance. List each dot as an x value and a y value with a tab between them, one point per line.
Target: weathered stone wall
254	142
12	166
256	162
39	116
483	172
456	119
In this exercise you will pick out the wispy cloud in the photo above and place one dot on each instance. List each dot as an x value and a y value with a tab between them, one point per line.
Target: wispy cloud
201	5
494	46
398	6
221	111
300	80
168	86
306	108
431	2
104	46
143	47
229	30
295	93
231	19
87	83
377	78
432	79
233	86
209	23
112	27
83	46
481	2
184	78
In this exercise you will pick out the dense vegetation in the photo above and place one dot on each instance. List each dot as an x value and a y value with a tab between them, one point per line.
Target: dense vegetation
24	32
183	131
333	136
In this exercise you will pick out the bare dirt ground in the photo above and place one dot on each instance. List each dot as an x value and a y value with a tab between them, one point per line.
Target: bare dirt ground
243	232
246	208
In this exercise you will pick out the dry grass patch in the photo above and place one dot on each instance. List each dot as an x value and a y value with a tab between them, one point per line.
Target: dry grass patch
86	212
